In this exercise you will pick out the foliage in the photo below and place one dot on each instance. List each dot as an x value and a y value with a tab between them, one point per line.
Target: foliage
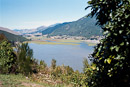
2	37
12	37
53	64
68	70
76	79
57	72
25	60
85	64
34	65
7	57
42	65
83	27
111	56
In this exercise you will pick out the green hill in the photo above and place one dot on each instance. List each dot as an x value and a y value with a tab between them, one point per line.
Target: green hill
12	37
83	27
51	29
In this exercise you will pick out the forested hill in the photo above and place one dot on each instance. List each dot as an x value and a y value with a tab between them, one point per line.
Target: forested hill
83	27
12	37
51	29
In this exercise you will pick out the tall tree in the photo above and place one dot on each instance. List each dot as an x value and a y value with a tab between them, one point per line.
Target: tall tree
25	61
112	55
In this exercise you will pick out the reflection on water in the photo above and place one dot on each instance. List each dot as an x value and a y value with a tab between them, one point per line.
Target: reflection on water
71	55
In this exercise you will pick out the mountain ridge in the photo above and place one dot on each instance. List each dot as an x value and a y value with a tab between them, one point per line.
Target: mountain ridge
30	31
11	36
85	27
8	30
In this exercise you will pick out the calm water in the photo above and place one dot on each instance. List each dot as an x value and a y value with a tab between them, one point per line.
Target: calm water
71	55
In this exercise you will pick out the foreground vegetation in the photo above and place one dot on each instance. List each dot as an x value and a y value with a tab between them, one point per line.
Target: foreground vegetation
111	56
21	61
13	80
19	80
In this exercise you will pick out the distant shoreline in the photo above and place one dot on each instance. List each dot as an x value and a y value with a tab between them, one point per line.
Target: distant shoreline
64	42
92	41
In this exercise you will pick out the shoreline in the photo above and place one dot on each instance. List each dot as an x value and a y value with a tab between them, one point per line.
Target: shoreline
64	42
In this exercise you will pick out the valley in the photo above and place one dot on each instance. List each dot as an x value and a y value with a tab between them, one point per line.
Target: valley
62	40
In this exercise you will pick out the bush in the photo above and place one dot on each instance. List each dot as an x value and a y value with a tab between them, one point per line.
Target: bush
53	64
25	60
7	58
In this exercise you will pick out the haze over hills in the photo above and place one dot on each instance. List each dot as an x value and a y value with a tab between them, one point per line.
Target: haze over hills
25	31
11	35
30	31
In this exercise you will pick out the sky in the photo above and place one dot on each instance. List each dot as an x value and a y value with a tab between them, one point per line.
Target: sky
30	14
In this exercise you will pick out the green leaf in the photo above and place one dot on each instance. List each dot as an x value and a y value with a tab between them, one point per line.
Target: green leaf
111	48
120	31
108	60
89	2
122	44
105	61
106	32
117	49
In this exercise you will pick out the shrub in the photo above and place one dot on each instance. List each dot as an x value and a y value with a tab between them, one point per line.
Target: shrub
25	60
7	57
53	64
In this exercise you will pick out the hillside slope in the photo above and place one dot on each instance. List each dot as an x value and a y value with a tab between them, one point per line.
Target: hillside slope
12	37
53	28
9	31
83	27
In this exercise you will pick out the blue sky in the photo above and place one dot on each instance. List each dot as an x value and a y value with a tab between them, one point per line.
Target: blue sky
21	14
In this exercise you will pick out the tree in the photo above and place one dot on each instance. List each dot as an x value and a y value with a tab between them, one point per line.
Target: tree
112	55
53	63
7	57
85	65
43	65
25	60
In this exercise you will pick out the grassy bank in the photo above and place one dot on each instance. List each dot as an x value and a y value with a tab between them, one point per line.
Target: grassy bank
22	81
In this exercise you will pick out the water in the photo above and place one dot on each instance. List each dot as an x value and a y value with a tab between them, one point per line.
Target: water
71	55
